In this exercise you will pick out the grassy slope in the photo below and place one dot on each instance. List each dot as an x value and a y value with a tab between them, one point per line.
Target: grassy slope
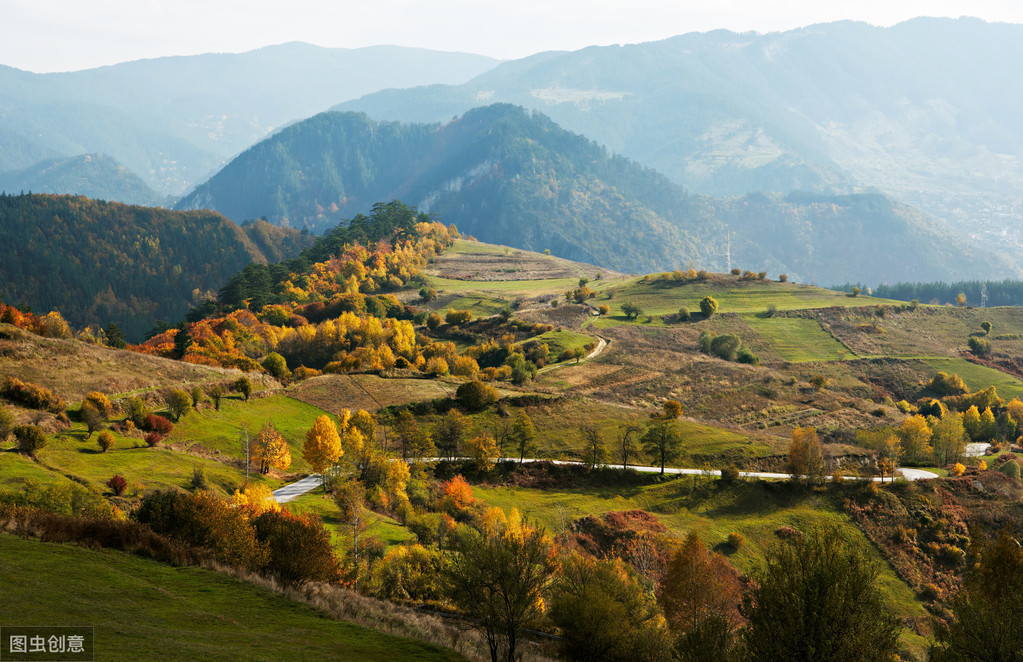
979	377
798	340
146	610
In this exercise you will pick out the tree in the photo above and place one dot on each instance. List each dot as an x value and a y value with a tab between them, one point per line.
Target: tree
631	310
105	441
414	440
498	578
915	436
350	501
322	446
594	450
196	394
818	598
626	432
91	416
456	317
948	438
806	459
115	337
482	450
100	401
987	612
888	455
662	441
604	613
671	409
6	423
179	402
979	346
699	593
433	321
726	346
216	392
961	299
270	450
708	306
450	433
523	435
244	386
475	395
275	364
986	326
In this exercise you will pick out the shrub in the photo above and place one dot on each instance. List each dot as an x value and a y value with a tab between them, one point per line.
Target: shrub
603	310
30	395
708	306
736	272
159	424
433	321
30	438
783	278
243	385
736	540
1011	469
179	402
730	474
683	314
958	469
980	346
153	438
277	366
725	346
118	484
986	326
199	480
137	412
100	402
408	574
746	356
456	317
105	440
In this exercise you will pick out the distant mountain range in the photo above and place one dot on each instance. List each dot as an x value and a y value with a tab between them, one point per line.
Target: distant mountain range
513	177
927	110
172	121
92	175
101	262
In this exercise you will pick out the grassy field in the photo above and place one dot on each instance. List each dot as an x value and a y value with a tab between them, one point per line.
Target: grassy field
798	340
370	392
559	341
389	531
142	609
979	377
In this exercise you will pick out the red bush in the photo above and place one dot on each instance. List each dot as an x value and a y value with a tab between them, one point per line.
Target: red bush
154	423
153	438
118	484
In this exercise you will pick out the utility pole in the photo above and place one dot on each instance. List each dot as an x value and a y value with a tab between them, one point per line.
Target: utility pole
983	295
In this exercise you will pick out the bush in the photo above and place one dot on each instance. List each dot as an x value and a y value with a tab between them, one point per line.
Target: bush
708	306
730	474
105	440
30	395
118	484
153	438
783	278
684	315
456	317
980	346
299	549
725	346
30	438
243	385
199	480
137	411
179	402
100	402
1011	469
746	356
736	540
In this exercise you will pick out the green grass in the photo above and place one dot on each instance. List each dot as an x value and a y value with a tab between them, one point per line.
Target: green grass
559	341
142	609
223	430
733	296
753	509
799	340
389	531
979	377
504	288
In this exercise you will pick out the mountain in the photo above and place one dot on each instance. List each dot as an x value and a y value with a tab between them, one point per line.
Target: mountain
174	120
100	262
91	175
513	177
926	110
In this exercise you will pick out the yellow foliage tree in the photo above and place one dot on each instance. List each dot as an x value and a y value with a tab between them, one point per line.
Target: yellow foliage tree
322	446
256	499
915	436
270	450
483	451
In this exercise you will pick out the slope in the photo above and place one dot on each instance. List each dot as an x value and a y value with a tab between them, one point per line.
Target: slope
172	120
515	178
99	262
91	175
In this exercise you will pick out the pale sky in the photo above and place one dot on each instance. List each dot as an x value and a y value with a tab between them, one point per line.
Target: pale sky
63	35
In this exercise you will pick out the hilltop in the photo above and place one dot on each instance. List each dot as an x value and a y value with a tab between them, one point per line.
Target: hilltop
512	177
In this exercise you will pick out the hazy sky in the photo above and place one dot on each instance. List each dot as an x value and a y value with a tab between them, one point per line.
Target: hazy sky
61	35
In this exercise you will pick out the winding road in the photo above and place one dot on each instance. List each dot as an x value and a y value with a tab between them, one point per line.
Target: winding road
309	483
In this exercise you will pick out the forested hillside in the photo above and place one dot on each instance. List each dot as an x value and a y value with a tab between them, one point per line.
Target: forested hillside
92	175
513	177
100	262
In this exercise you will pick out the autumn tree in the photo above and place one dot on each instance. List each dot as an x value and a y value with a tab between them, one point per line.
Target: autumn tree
523	435
270	450
986	624
605	614
105	441
277	366
948	438
30	438
215	393
708	306
244	386
915	436
91	416
700	595
818	598
631	310
888	454
482	450
498	579
806	459
450	433
322	446
415	441
986	326
475	395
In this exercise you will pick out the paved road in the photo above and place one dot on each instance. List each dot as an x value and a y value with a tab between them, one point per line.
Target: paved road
310	483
